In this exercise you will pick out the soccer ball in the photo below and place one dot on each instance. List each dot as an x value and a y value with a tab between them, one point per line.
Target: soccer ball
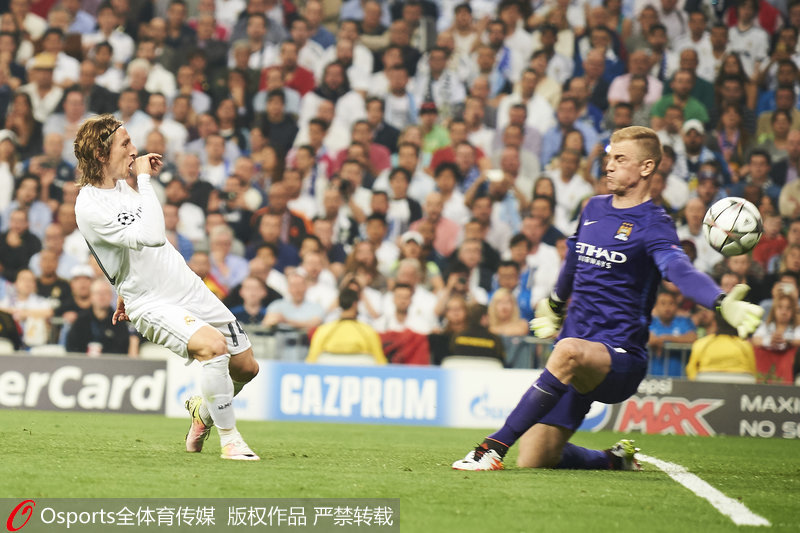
732	226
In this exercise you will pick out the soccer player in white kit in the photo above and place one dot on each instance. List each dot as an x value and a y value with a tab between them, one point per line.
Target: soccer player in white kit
158	293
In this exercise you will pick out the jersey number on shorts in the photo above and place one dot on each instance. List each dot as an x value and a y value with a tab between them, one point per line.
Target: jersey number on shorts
233	329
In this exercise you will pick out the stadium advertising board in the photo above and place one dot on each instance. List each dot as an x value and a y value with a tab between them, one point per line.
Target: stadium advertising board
676	407
376	395
106	384
184	382
483	399
412	395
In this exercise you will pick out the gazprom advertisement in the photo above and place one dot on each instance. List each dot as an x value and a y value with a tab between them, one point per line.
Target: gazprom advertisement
392	394
376	395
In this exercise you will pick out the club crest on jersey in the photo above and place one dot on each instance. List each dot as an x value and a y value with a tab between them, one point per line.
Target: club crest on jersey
189	319
624	231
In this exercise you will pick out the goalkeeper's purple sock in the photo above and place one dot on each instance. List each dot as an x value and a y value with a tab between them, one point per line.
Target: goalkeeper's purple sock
534	405
577	458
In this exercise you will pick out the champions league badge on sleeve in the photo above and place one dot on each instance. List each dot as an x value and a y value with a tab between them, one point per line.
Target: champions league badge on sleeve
624	231
126	218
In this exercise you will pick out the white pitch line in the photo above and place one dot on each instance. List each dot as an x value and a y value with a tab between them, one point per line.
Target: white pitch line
733	509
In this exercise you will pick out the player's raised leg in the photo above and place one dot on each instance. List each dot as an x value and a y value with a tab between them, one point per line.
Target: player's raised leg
243	368
209	348
580	363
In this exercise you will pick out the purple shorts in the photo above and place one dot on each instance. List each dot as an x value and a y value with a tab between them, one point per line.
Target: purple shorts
627	371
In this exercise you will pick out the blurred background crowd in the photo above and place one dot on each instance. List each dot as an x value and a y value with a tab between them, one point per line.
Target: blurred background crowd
412	167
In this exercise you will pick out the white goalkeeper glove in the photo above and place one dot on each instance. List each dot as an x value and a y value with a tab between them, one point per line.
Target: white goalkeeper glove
743	316
549	316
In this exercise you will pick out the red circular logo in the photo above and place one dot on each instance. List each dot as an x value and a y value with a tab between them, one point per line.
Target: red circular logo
24	508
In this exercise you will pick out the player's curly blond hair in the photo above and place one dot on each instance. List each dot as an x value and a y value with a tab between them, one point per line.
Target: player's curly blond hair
93	146
648	141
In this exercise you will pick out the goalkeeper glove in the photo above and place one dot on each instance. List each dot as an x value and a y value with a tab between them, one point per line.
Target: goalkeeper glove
549	316
743	316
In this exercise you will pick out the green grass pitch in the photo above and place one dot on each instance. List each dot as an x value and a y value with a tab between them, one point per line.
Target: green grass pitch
46	454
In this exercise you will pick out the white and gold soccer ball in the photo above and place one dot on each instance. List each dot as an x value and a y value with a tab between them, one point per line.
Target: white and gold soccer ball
732	226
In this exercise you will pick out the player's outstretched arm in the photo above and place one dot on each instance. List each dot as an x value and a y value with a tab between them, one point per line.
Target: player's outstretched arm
743	316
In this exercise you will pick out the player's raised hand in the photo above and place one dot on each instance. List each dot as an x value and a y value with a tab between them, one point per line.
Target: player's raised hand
549	315
119	313
148	164
743	316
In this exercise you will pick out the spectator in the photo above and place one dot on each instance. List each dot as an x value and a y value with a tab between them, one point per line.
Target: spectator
346	336
228	269
667	326
26	198
252	291
52	286
721	352
399	318
504	315
44	94
638	66
692	230
447	232
508	277
455	321
476	340
421	311
294	316
94	326
54	241
108	31
31	311
758	180
17	244
543	208
539	112
200	263
747	37
21	121
276	125
772	242
681	96
412	246
321	284
776	341
542	261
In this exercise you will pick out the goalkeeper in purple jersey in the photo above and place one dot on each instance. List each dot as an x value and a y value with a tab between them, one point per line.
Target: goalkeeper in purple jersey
623	246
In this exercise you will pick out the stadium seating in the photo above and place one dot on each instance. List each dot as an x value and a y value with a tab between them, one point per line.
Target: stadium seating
337	359
6	347
725	377
471	362
49	350
152	351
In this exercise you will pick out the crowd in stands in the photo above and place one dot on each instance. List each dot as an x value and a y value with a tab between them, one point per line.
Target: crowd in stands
425	157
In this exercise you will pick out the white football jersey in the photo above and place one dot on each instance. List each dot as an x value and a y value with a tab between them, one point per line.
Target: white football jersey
125	232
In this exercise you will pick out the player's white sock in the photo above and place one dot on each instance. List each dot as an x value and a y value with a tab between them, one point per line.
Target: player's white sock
217	389
228	435
205	415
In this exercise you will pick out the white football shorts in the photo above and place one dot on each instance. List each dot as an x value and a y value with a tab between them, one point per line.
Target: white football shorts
172	325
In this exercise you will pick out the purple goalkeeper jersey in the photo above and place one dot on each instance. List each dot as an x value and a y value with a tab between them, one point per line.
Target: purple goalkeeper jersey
614	266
